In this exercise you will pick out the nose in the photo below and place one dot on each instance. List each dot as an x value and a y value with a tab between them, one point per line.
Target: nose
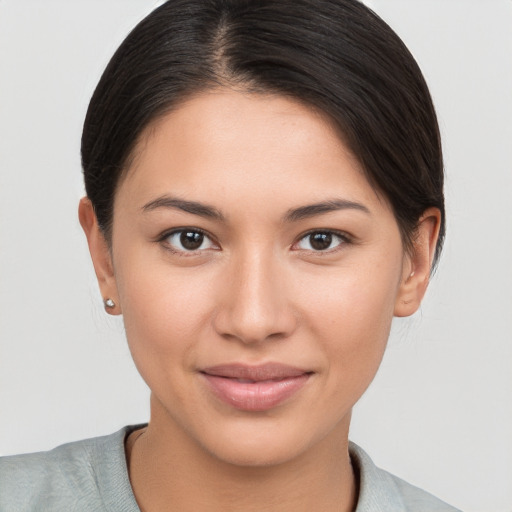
255	305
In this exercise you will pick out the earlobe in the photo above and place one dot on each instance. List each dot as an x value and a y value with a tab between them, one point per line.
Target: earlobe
418	264
101	256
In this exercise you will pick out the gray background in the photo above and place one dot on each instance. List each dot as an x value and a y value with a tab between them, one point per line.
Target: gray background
439	413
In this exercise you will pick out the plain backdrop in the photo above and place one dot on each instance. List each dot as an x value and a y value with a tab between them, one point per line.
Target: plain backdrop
439	413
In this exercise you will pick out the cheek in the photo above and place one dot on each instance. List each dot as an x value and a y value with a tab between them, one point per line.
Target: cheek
351	317
353	300
164	311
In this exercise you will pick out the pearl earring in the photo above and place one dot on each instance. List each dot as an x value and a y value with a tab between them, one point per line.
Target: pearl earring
109	303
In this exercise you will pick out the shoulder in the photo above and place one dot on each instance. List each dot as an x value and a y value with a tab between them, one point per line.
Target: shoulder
84	475
380	491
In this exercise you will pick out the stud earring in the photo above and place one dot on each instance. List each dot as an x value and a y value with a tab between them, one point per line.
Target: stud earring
109	303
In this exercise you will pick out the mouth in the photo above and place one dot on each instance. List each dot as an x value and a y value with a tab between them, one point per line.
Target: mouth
255	388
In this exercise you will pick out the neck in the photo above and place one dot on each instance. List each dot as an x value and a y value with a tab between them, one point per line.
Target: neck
169	471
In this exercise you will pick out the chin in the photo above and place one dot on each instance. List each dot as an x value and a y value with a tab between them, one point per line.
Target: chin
256	455
262	443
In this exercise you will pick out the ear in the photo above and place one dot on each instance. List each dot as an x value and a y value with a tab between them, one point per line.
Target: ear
418	264
100	254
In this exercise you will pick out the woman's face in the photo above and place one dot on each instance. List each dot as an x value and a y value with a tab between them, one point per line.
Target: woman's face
258	273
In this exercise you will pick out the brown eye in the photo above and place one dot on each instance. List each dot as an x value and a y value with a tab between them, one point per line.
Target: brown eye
188	240
191	240
321	241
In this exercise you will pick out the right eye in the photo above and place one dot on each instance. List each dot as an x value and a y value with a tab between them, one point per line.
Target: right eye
322	241
189	240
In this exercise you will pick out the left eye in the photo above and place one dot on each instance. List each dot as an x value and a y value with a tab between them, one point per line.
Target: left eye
320	241
187	240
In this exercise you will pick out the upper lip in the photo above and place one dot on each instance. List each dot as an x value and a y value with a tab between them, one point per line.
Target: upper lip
256	373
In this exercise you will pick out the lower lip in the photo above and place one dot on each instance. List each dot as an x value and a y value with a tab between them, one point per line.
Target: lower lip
255	396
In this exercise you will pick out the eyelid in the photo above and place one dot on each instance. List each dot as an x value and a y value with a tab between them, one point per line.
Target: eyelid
166	234
343	235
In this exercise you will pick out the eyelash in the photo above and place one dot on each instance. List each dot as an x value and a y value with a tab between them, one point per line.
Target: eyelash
343	237
164	240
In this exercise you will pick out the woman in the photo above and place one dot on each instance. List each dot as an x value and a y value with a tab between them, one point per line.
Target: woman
264	193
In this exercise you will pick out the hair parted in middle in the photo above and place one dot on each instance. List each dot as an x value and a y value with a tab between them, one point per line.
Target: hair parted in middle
336	56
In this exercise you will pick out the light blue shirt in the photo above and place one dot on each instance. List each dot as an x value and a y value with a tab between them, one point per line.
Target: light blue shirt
92	475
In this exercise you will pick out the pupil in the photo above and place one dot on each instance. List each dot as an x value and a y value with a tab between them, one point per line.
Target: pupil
191	240
320	241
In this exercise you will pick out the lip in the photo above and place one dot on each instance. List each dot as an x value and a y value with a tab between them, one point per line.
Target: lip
255	388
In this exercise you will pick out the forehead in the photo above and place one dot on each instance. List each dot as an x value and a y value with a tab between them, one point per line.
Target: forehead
226	115
224	144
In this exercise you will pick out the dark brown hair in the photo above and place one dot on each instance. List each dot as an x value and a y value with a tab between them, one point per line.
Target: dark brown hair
336	55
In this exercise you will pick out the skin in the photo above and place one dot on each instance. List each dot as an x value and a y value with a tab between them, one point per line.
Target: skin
256	292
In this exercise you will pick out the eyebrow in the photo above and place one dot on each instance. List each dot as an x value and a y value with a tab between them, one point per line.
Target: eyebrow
201	209
311	210
293	215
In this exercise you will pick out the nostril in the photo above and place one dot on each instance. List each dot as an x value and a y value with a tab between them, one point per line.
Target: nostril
255	328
